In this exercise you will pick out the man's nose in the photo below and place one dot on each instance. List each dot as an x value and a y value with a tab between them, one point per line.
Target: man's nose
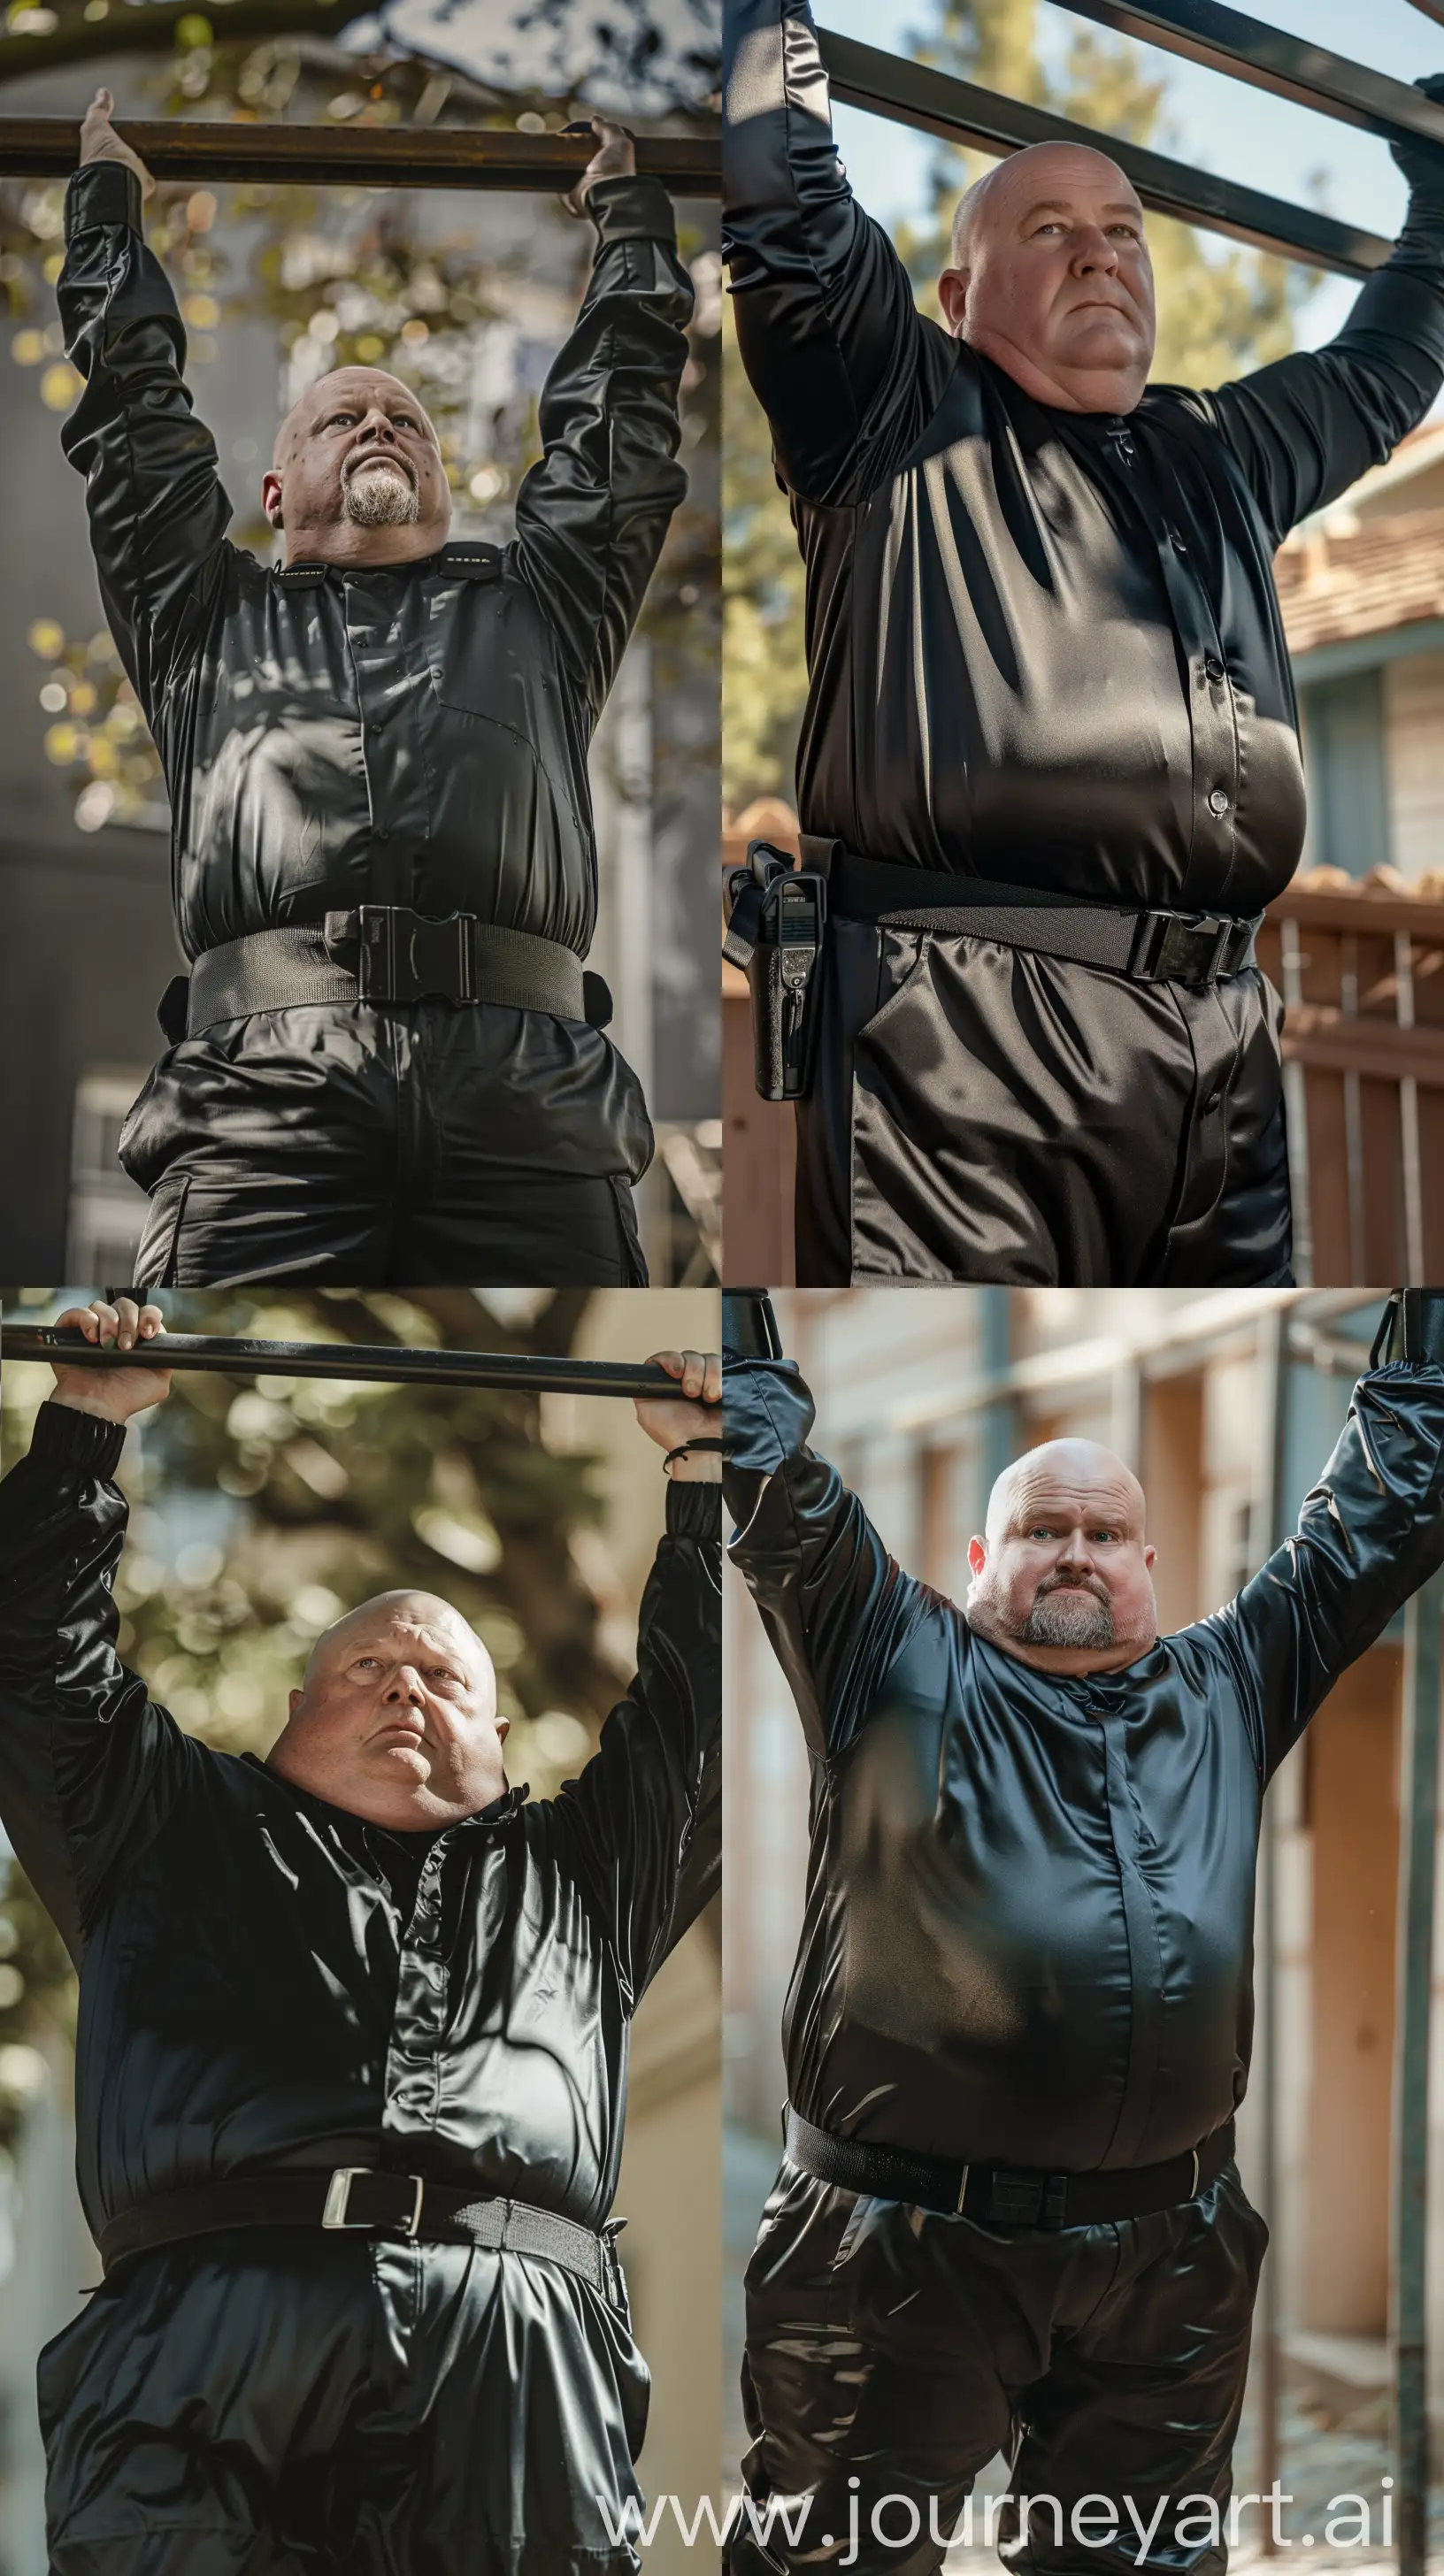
406	1684
1095	251
376	425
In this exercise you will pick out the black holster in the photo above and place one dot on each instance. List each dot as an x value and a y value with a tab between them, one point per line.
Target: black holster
775	919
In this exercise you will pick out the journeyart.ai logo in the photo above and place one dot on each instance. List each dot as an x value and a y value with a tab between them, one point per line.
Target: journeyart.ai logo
1169	2525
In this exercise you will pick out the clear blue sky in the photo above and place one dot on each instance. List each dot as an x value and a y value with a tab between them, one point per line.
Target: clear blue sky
1221	124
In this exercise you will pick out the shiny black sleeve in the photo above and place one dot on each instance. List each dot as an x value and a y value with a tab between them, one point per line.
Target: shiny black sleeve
1369	1534
592	513
158	513
1308	426
836	1606
89	1767
844	365
646	1814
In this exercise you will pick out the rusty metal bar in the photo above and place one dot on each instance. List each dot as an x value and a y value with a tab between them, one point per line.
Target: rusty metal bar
959	112
368	156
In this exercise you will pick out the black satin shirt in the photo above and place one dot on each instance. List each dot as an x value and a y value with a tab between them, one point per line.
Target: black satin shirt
1044	646
256	1990
1029	1921
409	734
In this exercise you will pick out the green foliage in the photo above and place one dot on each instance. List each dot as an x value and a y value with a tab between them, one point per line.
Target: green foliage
262	1509
1220	311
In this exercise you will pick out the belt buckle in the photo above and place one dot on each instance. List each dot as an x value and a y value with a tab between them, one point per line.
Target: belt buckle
404	956
1165	946
338	2195
1027	2199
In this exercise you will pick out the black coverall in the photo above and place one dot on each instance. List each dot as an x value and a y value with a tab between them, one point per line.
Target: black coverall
1028	1940
267	1982
1045	649
413	734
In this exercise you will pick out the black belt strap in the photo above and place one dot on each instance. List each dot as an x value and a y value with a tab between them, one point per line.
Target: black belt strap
1155	947
382	952
1004	2195
358	2196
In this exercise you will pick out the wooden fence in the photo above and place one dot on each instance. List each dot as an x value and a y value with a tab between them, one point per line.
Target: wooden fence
1362	976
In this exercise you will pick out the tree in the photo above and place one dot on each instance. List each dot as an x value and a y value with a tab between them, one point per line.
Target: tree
1220	311
262	1509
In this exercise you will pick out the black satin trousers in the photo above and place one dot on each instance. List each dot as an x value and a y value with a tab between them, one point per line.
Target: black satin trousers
987	1113
890	2353
422	1144
293	2403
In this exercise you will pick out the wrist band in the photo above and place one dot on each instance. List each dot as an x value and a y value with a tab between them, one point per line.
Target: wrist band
686	1447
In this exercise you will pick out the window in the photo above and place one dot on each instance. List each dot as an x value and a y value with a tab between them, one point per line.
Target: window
1344	756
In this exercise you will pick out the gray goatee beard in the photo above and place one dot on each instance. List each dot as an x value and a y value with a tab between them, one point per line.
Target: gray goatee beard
380	494
1060	1618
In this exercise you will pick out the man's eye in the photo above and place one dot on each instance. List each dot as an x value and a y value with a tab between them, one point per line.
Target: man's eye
404	421
342	420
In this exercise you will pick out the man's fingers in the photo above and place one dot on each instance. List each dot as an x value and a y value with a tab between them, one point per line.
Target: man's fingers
672	1361
712	1386
152	1321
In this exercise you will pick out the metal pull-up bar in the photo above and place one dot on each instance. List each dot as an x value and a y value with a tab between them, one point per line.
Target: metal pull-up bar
912	93
503	1371
1293	67
433	156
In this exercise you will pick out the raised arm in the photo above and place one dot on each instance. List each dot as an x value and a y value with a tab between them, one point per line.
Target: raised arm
837	353
592	513
88	1765
647	1810
158	514
836	1606
1308	426
1369	1534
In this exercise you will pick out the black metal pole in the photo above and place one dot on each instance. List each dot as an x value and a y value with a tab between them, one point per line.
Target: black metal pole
1423	1622
433	156
959	112
498	1370
1293	67
1274	1344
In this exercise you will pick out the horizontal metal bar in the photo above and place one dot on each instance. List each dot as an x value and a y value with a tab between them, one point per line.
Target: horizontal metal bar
501	1370
1430	9
959	112
1224	40
368	156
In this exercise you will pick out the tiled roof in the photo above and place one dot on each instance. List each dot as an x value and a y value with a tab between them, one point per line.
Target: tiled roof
1337	584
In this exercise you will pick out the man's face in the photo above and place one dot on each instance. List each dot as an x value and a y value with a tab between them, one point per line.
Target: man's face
357	475
396	1720
1064	1577
1054	281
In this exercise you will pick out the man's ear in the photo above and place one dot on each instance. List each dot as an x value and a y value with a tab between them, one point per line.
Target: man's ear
1150	1558
953	296
503	1729
293	1703
977	1557
271	497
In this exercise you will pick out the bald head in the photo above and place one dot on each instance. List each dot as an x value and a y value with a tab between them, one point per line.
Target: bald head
1063	1576
356	474
396	1718
1050	277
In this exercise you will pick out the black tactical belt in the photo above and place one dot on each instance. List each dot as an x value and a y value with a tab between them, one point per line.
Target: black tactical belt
357	2197
1152	947
1004	2195
381	952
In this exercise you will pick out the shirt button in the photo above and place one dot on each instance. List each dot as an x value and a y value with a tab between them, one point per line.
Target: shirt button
1215	668
1178	543
1211	1103
1218	801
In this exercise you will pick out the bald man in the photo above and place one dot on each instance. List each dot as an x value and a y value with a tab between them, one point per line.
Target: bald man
1049	767
386	1063
1008	2216
352	2054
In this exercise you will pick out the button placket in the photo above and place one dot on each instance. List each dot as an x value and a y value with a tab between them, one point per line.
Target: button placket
412	2091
